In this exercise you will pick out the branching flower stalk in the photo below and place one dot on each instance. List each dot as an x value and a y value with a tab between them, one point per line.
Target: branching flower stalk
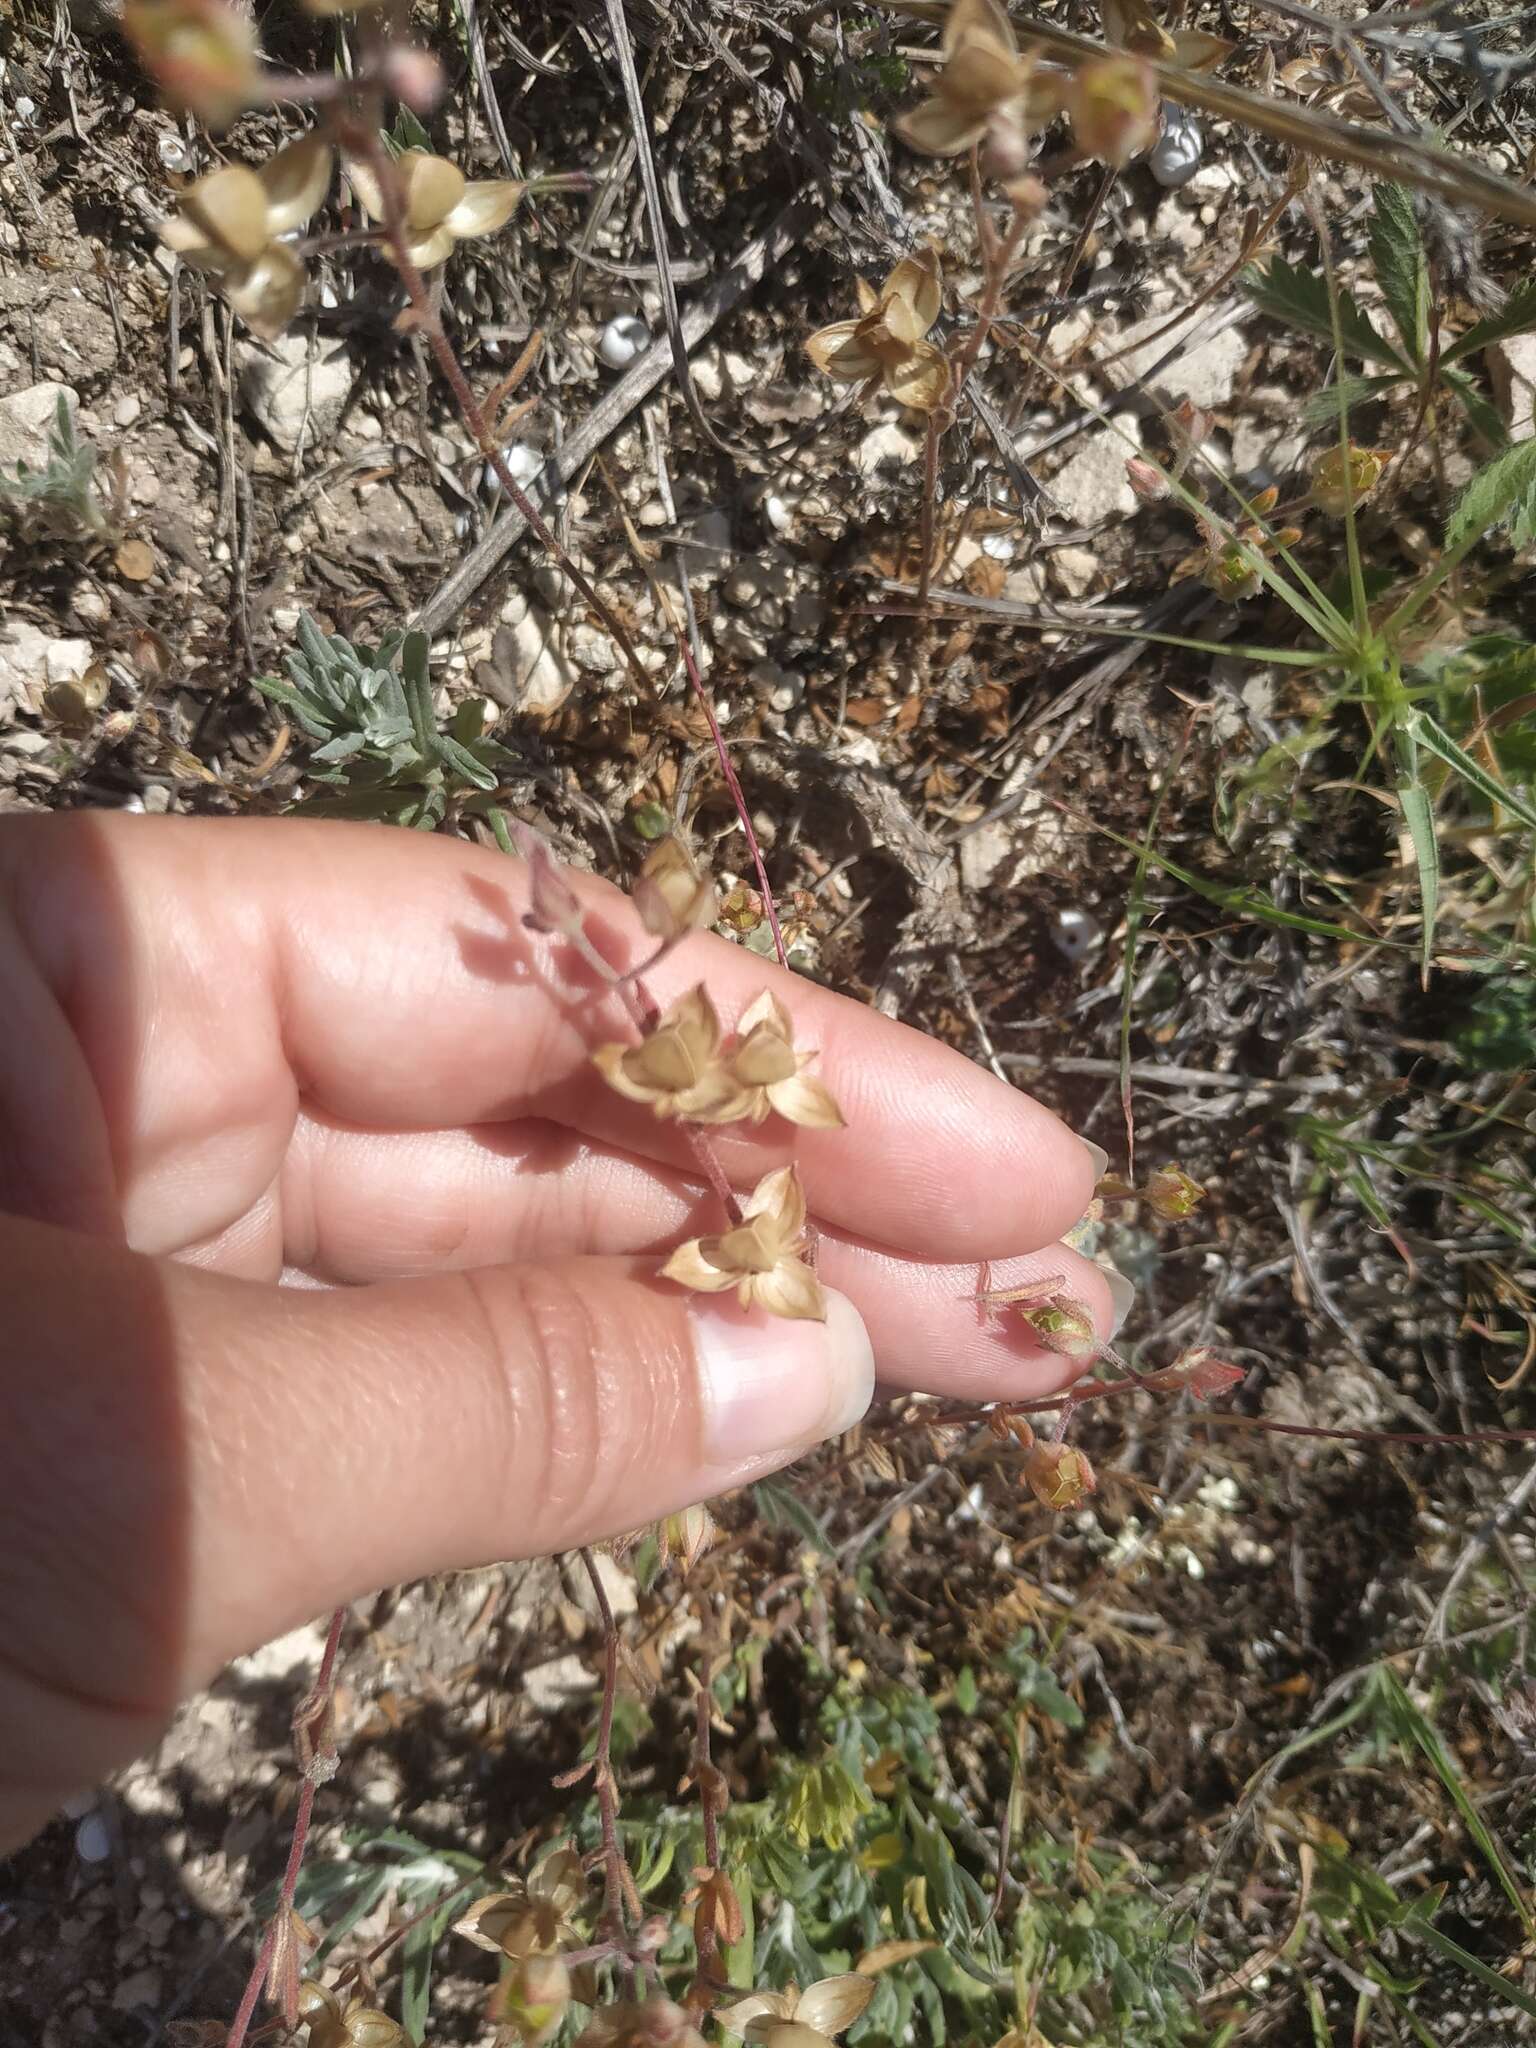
277	1959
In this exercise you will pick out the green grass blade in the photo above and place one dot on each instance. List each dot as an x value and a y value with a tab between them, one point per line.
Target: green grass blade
1425	1930
1240	898
1419	816
1415	1727
1438	741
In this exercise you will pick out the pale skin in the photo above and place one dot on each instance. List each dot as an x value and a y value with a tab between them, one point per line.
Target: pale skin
239	1053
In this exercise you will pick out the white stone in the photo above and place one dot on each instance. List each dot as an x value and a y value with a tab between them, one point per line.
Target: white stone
66	661
288	388
300	1649
127	410
1204	374
1512	366
1267	441
93	1838
544	676
549	1687
889	442
1074	569
90	604
983	852
617	1583
25	420
1174	222
1091	487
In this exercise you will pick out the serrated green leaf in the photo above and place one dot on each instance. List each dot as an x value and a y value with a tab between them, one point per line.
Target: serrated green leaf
1322	408
1401	270
1300	298
1502	493
1516	316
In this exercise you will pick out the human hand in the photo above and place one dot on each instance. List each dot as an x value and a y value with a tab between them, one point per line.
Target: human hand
235	1052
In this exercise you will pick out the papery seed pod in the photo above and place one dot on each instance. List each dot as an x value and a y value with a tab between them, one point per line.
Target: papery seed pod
1059	1475
671	895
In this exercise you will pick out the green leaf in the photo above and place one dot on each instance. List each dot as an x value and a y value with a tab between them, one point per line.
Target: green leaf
1401	271
1502	493
967	1693
1423	728
1517	314
1300	298
784	1510
1346	392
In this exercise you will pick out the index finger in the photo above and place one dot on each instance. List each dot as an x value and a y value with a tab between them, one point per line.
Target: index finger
387	979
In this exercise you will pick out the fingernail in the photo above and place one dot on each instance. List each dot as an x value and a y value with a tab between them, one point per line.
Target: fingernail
773	1387
1122	1296
1099	1157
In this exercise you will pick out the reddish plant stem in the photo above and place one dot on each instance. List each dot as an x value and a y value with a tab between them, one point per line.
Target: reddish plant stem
320	1694
733	784
619	1888
706	1940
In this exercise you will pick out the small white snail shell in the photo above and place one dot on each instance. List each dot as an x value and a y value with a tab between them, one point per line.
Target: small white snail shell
622	340
1175	156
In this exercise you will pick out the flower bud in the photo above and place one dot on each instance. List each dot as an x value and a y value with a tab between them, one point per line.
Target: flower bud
1063	1326
1145	479
1199	1370
1059	1475
1171	1194
414	77
534	1998
1114	108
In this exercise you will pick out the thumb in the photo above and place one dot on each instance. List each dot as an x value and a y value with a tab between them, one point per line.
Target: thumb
194	1464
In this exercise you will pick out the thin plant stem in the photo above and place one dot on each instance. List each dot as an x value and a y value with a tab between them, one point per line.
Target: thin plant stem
429	323
738	798
318	1769
619	1890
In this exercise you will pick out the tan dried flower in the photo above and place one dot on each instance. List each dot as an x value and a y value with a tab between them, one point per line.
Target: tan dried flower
886	342
442	207
676	1068
769	1074
1059	1475
984	78
230	222
671	895
202	55
1341	481
353	2025
529	1918
760	1257
1131	25
1113	105
812	2018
